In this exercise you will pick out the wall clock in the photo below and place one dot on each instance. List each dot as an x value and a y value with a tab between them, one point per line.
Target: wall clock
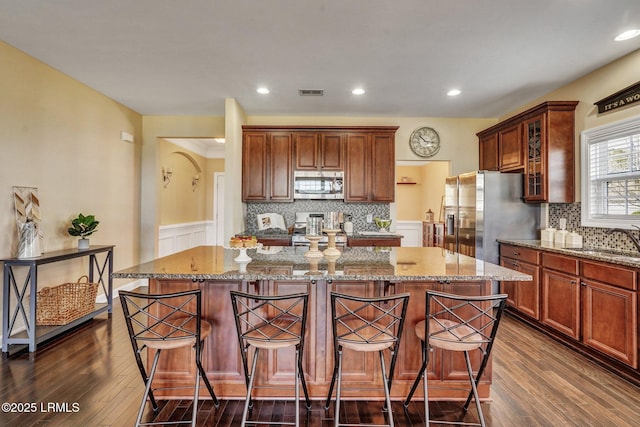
424	142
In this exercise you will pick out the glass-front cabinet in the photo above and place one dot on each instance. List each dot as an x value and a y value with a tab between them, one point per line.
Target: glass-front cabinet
535	182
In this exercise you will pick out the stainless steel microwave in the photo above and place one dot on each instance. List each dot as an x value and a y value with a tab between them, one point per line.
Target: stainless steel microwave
318	185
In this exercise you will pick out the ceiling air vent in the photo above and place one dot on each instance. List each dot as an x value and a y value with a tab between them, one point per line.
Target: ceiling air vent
310	92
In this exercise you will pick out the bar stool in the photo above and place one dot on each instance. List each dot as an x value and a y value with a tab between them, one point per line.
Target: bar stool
270	323
165	322
458	323
366	324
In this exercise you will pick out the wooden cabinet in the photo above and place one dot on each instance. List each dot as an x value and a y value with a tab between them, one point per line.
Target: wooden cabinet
510	148
370	166
432	234
488	147
561	294
549	170
354	241
540	142
523	296
267	166
366	154
275	241
610	311
319	151
590	305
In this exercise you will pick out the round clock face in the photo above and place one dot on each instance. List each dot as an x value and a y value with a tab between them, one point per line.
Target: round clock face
425	142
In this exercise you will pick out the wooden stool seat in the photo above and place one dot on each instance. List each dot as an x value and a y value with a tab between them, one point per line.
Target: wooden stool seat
183	334
279	333
450	335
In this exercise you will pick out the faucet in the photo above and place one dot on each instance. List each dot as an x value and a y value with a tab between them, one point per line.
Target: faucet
633	238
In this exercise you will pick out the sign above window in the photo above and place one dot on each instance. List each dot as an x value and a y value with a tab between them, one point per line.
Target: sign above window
627	96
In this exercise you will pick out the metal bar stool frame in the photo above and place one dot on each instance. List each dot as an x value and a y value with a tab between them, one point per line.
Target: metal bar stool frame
372	324
163	322
447	328
270	322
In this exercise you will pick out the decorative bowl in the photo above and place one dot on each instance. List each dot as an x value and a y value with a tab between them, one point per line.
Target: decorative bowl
382	224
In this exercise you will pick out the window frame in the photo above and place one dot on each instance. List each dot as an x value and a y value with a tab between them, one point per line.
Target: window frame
609	131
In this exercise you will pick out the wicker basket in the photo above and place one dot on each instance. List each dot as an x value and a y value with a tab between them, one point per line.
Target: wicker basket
65	303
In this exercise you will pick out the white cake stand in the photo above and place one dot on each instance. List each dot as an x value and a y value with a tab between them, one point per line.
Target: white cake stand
243	257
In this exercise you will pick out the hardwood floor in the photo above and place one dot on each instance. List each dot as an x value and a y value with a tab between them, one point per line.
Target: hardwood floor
537	382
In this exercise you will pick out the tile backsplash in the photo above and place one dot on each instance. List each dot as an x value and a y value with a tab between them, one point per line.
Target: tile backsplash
358	211
596	237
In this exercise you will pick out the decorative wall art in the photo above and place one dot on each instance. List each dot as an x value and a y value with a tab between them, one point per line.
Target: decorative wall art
27	208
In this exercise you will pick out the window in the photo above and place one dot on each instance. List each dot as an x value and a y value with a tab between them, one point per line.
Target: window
611	174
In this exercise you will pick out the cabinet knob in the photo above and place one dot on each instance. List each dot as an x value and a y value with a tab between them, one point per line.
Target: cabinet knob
516	254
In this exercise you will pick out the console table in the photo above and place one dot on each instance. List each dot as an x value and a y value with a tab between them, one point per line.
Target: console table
21	300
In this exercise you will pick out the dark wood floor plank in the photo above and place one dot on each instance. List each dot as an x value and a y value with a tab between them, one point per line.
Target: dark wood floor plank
537	382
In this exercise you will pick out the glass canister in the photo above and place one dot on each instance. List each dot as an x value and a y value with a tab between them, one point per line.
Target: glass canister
314	226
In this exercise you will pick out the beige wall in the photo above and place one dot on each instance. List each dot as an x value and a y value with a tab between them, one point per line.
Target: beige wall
414	200
180	200
63	137
591	88
154	129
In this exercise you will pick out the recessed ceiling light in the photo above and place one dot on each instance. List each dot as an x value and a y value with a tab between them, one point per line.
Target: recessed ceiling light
627	35
454	92
358	91
263	90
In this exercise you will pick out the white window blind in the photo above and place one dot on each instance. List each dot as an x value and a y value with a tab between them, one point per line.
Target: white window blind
611	174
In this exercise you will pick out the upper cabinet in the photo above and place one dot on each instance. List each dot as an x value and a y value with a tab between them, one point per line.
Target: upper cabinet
319	151
267	167
538	142
370	166
366	154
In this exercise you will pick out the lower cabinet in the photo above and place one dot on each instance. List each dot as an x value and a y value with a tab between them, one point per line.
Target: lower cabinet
522	296
561	294
594	305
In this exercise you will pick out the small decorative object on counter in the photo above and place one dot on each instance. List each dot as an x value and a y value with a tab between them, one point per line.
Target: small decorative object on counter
560	236
348	225
382	224
547	234
573	240
83	226
429	215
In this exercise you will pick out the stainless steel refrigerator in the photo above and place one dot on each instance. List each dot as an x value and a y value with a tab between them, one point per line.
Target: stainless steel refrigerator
483	206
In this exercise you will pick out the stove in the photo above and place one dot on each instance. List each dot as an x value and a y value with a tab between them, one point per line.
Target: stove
300	229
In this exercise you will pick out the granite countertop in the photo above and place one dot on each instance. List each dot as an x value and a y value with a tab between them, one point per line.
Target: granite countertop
290	263
613	256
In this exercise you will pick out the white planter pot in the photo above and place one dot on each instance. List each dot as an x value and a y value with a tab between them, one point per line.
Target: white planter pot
83	244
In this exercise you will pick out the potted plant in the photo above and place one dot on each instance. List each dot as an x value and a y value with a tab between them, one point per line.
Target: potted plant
83	226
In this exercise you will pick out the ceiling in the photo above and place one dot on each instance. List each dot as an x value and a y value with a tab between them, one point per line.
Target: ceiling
184	57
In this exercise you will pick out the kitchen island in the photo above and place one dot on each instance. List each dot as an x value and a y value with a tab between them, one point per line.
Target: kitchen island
357	271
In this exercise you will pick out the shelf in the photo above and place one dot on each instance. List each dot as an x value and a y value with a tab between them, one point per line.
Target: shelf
406	183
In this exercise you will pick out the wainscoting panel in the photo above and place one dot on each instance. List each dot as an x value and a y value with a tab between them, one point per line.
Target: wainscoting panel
179	237
412	232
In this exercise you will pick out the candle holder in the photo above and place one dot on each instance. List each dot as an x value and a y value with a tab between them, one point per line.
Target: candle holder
313	251
331	246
